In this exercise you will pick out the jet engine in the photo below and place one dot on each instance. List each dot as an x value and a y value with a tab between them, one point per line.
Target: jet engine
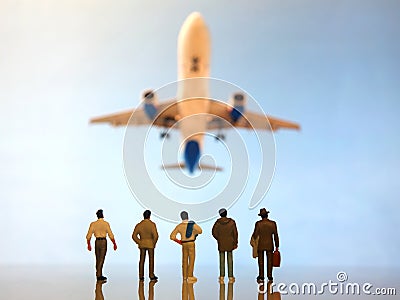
150	103
238	102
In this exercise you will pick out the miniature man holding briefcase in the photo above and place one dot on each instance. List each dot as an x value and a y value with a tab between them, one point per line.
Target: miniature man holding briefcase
264	237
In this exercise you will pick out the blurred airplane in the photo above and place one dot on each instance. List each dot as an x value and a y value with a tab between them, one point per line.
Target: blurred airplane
193	109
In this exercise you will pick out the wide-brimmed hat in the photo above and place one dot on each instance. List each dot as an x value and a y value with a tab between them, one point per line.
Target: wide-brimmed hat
263	212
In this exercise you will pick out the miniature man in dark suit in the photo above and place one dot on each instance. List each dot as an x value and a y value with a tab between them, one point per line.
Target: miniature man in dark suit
267	233
100	229
225	232
145	236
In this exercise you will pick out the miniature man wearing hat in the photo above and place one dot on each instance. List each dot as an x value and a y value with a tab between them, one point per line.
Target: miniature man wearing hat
267	234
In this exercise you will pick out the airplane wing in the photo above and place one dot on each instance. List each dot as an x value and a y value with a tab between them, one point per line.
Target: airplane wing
116	119
249	120
182	166
167	113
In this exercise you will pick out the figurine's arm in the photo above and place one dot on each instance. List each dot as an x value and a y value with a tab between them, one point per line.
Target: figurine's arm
111	236
198	229
255	232
155	234
235	234
89	236
276	237
135	237
214	231
173	235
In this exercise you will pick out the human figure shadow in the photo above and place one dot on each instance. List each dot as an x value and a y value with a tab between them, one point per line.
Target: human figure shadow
222	289
187	291
150	291
266	292
98	292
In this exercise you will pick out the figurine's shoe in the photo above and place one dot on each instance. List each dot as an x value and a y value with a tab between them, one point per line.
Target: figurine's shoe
221	279
260	279
191	279
101	278
270	279
231	279
154	278
141	278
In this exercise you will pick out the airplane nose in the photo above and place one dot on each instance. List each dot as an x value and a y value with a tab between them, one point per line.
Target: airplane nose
192	155
195	18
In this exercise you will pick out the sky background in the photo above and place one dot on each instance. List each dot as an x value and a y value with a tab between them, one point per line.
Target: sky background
332	66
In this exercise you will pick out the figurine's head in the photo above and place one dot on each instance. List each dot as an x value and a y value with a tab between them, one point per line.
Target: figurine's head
99	214
184	215
263	213
222	212
147	214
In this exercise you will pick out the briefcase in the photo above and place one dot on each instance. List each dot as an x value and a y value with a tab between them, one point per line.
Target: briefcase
276	259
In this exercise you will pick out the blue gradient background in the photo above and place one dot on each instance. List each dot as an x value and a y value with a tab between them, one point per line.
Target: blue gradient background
333	66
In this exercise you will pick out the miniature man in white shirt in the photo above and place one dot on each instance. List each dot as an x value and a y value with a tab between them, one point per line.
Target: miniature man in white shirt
100	229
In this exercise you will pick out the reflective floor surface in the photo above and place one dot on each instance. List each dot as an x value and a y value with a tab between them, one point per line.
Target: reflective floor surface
78	282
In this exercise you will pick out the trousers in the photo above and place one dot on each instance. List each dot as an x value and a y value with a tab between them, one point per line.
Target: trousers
188	258
261	263
150	252
100	249
222	263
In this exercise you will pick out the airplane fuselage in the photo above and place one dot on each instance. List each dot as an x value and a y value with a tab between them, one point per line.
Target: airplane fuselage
193	86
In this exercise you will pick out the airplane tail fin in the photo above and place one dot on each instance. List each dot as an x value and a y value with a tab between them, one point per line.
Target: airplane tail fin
208	167
174	166
183	166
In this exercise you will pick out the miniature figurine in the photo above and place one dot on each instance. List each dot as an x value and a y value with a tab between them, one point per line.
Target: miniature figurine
188	231
100	229
267	234
145	236
226	234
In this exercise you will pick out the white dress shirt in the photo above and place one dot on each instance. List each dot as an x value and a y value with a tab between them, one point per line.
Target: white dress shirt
100	229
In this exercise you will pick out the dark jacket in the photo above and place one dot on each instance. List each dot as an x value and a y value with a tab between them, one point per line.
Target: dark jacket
147	232
266	229
225	232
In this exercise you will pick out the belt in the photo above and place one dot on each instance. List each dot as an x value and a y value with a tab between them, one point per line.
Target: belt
100	239
188	241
